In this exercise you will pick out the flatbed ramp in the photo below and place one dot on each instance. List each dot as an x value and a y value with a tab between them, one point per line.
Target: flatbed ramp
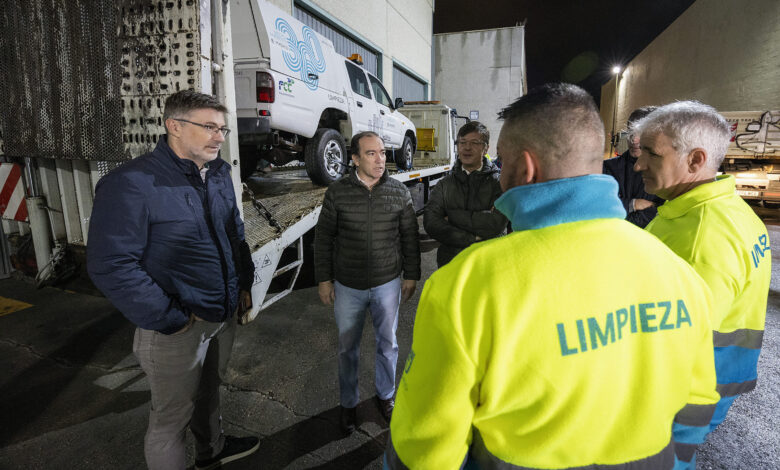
283	211
278	210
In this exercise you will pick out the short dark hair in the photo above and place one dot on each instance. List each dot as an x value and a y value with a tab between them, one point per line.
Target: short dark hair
354	144
475	126
638	114
182	102
558	121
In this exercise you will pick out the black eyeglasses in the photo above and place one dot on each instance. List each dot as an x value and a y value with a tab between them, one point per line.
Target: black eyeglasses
212	129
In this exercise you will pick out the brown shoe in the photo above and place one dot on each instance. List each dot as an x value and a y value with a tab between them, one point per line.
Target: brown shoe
386	407
348	420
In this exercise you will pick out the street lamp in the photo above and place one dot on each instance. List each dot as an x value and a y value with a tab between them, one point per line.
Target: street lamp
616	71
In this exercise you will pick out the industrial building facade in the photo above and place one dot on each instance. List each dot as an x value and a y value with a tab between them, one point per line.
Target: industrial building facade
720	52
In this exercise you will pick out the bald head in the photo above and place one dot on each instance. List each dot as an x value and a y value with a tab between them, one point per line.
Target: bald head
560	124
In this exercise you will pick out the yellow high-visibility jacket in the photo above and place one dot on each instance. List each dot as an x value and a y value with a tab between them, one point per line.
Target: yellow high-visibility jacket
576	342
727	244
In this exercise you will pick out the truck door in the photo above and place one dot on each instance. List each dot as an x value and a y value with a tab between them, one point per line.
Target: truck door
391	129
362	106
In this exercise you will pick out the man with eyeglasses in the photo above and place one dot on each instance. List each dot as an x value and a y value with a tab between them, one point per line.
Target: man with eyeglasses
166	246
460	210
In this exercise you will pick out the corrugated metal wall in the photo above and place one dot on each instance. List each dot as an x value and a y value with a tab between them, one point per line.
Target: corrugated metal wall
407	87
343	44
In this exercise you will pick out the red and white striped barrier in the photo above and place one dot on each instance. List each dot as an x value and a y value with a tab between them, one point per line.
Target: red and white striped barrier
12	205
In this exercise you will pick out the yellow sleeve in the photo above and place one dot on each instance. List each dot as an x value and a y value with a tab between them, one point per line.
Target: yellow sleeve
723	287
438	393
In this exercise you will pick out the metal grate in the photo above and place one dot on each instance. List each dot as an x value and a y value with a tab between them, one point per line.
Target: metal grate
90	79
160	55
104	167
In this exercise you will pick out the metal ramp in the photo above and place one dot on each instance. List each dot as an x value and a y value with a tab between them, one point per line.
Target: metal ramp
278	211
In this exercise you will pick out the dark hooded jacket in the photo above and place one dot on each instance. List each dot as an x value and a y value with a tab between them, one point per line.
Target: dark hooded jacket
366	238
164	245
631	186
461	208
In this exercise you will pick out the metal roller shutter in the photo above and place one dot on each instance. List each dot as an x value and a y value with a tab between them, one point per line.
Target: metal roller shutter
343	44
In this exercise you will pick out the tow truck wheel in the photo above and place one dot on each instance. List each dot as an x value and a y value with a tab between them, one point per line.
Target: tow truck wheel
405	155
325	156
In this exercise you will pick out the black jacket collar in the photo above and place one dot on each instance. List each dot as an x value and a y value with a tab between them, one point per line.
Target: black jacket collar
488	168
353	178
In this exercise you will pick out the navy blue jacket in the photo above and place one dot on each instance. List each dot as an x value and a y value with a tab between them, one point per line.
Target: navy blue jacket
163	244
631	186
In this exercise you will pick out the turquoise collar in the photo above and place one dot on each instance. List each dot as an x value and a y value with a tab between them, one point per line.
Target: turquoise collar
561	201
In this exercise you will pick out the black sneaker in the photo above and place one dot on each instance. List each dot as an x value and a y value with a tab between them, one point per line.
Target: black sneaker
386	407
235	448
348	420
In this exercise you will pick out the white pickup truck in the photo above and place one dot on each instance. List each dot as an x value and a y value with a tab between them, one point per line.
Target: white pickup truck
296	98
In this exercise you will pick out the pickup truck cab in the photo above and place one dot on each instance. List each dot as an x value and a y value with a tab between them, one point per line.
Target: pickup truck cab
296	98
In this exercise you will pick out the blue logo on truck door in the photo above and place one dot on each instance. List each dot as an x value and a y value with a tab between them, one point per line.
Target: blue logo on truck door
303	56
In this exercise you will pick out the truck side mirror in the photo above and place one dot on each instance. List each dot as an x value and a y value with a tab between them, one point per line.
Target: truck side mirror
399	103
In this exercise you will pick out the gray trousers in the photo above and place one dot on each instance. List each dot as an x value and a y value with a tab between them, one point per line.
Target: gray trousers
184	372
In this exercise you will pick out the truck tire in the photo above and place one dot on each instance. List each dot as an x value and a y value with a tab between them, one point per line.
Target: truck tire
325	156
404	156
248	156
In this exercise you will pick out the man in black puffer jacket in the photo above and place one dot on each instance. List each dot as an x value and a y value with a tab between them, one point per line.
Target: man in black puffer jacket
366	239
460	209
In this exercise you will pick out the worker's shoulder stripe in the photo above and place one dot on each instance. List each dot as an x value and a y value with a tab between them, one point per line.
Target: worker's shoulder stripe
484	459
744	338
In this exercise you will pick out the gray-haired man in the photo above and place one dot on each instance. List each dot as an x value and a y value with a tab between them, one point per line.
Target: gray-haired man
713	229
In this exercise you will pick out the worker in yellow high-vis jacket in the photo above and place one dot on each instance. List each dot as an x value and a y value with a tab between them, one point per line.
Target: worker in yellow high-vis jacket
577	340
708	225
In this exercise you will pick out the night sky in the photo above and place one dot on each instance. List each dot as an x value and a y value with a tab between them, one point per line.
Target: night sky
576	41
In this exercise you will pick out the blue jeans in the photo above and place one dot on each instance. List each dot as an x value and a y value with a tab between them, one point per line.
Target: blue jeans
350	309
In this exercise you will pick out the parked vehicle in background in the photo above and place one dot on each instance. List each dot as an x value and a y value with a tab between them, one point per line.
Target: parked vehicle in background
753	156
297	99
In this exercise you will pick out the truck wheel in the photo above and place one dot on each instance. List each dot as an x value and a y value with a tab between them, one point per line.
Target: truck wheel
248	156
403	157
325	156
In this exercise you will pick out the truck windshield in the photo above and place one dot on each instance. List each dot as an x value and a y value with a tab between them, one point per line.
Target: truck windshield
380	94
358	80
